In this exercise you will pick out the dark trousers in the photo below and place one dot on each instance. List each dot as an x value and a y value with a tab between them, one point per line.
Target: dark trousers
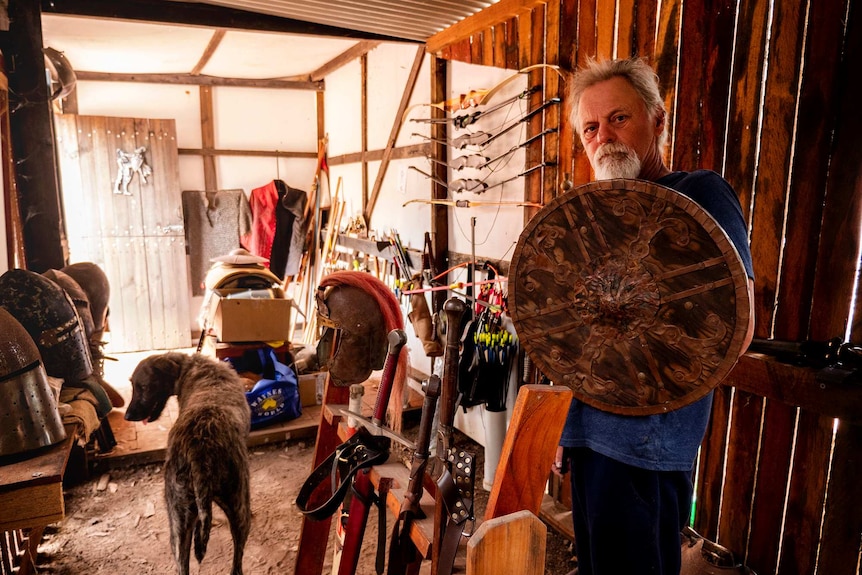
627	520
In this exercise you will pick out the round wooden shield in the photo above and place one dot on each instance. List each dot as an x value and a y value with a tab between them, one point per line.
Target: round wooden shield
631	294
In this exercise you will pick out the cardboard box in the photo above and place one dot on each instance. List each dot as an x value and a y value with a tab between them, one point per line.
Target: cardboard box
238	320
311	388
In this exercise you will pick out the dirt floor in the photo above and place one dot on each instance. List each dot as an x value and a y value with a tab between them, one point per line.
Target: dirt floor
116	524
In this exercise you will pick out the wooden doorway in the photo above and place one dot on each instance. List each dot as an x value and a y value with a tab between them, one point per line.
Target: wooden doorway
134	232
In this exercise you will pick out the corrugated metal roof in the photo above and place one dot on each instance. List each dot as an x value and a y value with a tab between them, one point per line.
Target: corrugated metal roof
408	19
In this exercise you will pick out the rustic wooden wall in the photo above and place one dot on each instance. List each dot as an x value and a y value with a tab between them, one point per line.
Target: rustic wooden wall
766	94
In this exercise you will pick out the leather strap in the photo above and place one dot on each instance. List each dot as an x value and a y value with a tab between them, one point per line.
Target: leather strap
361	451
382	493
457	495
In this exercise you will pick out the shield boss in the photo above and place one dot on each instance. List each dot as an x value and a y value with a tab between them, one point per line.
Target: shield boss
631	294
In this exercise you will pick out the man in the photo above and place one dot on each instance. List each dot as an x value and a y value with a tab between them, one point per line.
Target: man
632	475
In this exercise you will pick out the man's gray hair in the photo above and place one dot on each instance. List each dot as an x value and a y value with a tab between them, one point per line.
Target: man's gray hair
635	70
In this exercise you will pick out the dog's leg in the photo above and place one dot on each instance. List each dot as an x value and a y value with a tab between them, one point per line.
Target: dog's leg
237	508
182	516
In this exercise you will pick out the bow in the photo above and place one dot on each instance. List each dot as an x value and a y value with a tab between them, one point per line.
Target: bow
482	139
465	120
470	204
478	97
469	161
459	185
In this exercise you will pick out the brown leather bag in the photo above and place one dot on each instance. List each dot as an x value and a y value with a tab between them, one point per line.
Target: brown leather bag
422	322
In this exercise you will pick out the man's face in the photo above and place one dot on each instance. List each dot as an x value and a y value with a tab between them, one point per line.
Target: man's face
618	133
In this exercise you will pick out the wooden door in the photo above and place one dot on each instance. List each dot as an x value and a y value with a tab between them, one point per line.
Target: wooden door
135	235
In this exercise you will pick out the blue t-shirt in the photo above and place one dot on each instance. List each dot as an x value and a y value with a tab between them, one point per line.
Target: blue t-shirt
666	441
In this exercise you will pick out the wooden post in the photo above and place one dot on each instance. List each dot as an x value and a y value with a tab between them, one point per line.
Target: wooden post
510	545
532	439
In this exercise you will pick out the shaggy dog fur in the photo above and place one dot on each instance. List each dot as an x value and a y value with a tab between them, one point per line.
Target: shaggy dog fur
207	458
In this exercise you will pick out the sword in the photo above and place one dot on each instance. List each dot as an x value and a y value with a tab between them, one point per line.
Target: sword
402	550
453	504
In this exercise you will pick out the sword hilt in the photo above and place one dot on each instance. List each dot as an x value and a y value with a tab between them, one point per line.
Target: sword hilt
397	339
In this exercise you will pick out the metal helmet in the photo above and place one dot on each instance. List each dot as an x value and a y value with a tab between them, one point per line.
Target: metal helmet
47	313
78	295
28	410
95	284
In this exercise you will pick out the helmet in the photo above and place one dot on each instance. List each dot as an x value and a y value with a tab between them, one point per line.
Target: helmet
28	410
49	316
353	343
78	295
356	312
95	284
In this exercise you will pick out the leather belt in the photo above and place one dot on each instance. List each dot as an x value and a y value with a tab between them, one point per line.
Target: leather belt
361	451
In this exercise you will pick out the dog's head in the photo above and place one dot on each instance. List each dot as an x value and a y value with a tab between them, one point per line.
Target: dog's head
153	383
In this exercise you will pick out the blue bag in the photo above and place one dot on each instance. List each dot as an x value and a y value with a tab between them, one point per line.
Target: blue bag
275	397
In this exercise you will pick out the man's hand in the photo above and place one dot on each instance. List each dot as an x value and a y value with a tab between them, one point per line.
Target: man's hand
560	466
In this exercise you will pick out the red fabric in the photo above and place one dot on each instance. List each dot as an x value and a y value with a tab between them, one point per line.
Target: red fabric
262	201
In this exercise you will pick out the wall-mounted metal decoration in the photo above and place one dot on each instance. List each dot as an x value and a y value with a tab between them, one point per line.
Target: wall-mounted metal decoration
129	164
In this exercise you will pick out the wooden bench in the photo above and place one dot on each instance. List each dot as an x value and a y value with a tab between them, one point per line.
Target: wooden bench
31	498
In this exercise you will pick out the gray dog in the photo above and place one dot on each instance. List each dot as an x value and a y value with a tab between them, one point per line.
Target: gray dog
207	458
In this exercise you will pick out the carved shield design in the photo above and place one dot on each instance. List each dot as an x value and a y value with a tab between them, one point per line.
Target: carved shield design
631	294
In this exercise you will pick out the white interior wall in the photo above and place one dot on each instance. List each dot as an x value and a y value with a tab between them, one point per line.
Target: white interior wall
261	119
496	228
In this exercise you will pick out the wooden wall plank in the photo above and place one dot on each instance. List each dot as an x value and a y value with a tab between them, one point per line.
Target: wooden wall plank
488	45
605	29
512	44
477	49
208	137
818	103
645	26
842	527
773	472
806	496
66	133
525	39
746	85
439	213
568	142
460	51
500	46
626	43
710	466
774	162
535	52
707	42
491	16
665	64
553	115
587	46
741	464
834	285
